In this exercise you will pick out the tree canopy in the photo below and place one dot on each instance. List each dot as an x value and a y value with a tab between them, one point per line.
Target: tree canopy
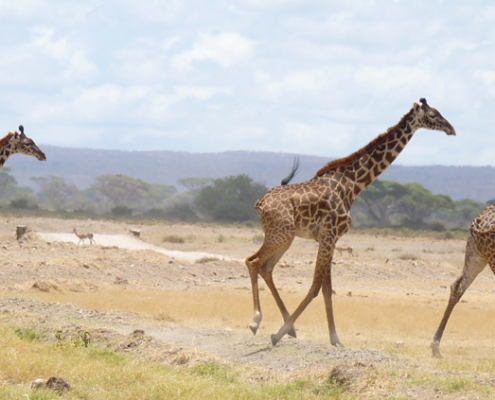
231	199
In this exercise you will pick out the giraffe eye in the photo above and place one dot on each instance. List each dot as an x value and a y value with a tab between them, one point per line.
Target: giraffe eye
432	114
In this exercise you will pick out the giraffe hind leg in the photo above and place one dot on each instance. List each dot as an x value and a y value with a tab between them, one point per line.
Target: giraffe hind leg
262	263
327	296
474	263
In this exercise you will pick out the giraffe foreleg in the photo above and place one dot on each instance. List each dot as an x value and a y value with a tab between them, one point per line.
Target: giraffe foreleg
289	324
285	314
322	260
327	296
474	263
266	273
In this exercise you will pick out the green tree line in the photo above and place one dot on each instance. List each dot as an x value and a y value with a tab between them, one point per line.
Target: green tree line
231	199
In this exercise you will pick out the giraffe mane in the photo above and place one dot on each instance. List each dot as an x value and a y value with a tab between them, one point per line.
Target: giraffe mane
6	138
363	150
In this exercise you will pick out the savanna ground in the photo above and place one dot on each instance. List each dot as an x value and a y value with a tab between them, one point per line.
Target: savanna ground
115	321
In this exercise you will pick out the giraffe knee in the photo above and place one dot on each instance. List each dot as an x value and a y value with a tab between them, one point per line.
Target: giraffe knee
457	289
251	264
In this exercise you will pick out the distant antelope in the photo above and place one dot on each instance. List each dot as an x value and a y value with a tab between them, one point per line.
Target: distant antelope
349	250
83	236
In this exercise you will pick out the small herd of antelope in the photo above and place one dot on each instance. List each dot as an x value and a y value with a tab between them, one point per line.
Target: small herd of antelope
320	209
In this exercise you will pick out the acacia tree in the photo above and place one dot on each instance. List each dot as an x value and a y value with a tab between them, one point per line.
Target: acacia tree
13	194
194	185
123	192
380	200
466	210
230	199
384	201
419	203
56	194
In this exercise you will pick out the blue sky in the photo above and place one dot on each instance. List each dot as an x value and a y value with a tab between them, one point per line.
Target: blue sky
318	77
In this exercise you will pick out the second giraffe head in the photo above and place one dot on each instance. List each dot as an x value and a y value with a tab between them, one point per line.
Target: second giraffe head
430	118
26	146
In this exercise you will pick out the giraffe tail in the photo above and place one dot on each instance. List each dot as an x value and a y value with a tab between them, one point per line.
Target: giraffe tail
295	167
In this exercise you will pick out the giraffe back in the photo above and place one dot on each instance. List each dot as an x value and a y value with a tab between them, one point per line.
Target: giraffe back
485	222
482	230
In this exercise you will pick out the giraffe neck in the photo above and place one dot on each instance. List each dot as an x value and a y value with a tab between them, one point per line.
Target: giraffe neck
362	167
382	151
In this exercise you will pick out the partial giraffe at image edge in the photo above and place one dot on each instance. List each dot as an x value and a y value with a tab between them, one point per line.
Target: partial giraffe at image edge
19	143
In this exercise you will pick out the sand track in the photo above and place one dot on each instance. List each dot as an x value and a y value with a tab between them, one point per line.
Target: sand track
131	243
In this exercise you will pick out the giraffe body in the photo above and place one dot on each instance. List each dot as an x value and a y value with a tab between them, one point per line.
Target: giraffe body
319	209
15	142
480	251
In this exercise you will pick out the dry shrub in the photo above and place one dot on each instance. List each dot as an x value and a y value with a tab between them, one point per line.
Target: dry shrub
44	286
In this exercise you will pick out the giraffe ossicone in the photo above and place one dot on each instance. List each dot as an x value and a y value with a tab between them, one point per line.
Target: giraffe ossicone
319	209
19	143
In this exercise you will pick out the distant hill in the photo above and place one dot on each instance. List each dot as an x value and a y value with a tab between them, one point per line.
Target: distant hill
82	166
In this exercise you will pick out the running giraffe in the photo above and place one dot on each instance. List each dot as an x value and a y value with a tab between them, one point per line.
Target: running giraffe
480	251
15	142
319	209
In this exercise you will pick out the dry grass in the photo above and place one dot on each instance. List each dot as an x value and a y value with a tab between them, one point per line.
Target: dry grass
398	325
363	320
102	373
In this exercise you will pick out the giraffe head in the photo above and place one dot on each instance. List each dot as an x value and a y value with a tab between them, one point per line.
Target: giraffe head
23	145
430	118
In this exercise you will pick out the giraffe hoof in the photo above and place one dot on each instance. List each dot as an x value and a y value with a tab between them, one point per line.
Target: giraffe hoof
254	328
292	333
274	340
435	350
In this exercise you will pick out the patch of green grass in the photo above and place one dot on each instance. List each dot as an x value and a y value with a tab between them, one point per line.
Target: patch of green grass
456	384
216	371
106	355
173	239
28	334
221	239
102	373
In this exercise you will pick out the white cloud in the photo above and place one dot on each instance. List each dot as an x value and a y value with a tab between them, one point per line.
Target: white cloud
21	8
156	11
199	92
225	49
284	75
45	43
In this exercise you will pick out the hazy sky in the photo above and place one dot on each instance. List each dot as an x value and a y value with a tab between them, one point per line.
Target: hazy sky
319	77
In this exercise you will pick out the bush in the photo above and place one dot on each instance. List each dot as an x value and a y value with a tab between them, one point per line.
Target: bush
231	199
121	211
183	212
23	203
